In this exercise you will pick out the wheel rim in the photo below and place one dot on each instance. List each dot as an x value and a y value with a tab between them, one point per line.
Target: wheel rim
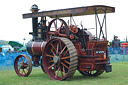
42	66
57	28
23	65
57	61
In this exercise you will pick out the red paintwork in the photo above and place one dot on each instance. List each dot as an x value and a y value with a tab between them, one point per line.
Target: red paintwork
37	50
79	49
97	60
124	45
38	47
92	46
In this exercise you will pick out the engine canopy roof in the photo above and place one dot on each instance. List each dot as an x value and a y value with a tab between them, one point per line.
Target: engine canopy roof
78	11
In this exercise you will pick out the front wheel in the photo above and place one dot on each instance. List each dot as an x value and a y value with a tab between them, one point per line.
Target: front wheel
23	65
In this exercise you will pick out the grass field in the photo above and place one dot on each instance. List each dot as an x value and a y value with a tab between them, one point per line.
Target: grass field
119	76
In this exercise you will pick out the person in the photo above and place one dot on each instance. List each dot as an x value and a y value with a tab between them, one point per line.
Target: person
116	46
9	50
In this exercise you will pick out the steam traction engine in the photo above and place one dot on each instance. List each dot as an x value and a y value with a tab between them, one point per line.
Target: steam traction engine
62	48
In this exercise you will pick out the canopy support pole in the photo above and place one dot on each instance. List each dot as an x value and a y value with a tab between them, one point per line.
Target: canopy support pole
101	26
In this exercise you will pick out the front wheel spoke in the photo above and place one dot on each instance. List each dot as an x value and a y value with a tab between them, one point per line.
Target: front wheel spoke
65	65
51	66
65	57
23	60
25	65
27	69
19	62
24	71
19	69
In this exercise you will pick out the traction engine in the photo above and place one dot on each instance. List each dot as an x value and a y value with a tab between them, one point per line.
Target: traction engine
61	48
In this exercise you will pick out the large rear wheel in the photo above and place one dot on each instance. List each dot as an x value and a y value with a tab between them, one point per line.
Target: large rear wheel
92	73
60	59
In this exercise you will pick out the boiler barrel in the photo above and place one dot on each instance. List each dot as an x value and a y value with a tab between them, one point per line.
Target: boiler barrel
35	48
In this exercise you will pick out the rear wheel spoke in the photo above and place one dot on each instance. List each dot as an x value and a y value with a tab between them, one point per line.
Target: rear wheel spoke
52	52
66	52
65	65
66	62
61	71
49	55
65	57
60	45
63	50
51	66
64	70
55	69
53	47
57	73
51	61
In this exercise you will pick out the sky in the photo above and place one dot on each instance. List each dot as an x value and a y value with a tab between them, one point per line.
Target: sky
14	27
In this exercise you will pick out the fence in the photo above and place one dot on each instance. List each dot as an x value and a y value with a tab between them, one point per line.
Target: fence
7	59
